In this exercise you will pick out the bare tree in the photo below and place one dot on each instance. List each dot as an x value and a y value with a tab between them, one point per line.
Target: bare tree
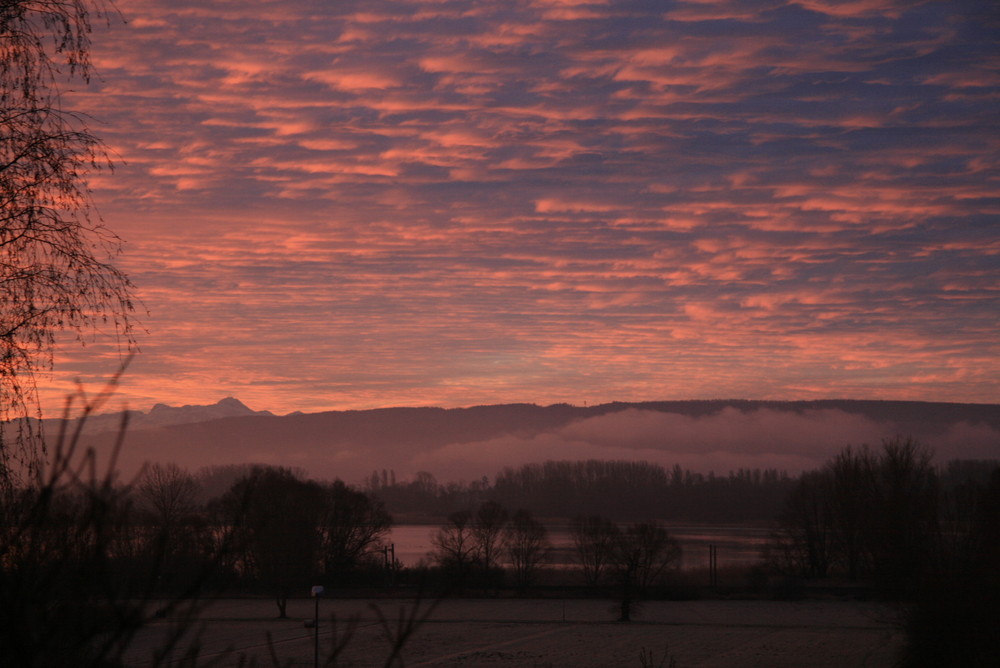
803	542
352	526
527	545
594	538
648	551
167	492
641	555
903	523
872	514
55	258
454	546
488	533
166	496
850	484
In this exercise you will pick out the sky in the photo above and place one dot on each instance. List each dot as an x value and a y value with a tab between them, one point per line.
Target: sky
355	204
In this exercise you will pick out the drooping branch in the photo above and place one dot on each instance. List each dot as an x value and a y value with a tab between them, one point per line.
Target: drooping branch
56	259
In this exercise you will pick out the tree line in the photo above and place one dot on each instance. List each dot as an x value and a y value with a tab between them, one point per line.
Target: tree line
889	515
916	533
271	531
565	489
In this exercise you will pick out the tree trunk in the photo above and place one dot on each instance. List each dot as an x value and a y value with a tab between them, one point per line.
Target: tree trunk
626	608
282	601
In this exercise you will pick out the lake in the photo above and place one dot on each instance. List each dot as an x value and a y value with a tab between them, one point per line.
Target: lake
735	545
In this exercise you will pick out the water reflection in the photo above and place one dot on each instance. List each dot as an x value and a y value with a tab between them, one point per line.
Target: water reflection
735	545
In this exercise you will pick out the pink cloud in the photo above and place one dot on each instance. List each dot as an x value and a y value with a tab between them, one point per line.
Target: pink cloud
361	204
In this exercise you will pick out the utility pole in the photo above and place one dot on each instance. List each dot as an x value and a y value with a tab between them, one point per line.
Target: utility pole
317	591
713	565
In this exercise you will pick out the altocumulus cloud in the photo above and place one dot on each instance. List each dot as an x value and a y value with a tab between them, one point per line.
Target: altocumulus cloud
387	202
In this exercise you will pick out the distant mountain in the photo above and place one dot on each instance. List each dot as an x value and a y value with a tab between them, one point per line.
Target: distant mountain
467	443
162	415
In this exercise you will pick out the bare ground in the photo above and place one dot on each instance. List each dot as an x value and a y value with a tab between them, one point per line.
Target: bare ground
555	633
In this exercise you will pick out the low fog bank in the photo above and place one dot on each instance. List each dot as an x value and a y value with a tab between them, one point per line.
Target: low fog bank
467	444
725	441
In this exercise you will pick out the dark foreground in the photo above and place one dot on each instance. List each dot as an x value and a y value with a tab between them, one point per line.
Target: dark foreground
554	633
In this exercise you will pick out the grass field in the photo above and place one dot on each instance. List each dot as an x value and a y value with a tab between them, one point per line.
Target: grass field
553	633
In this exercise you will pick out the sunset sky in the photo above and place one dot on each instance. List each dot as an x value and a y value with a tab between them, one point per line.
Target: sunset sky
333	204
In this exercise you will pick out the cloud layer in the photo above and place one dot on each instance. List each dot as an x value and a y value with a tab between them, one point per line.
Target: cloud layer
355	204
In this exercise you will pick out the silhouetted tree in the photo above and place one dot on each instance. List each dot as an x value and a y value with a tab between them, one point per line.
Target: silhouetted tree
167	493
527	546
73	590
640	556
804	540
175	529
875	513
455	547
848	483
569	488
952	619
488	533
55	260
214	481
352	527
426	483
274	516
904	515
594	538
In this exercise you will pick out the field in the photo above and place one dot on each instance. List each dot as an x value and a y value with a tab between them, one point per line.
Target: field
556	633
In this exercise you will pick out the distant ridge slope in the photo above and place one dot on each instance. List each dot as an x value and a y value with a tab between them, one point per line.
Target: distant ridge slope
480	440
